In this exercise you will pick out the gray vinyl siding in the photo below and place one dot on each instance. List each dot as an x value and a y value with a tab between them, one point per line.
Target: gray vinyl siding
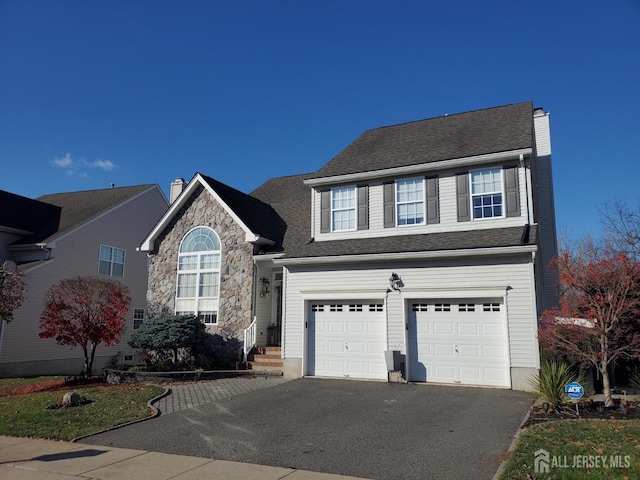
447	212
460	276
76	254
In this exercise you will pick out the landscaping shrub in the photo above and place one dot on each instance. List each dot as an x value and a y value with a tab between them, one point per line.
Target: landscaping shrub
549	384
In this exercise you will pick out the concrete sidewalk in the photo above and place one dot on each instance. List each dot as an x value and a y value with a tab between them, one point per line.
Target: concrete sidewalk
36	459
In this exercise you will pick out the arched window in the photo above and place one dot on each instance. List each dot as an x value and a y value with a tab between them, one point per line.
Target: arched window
198	284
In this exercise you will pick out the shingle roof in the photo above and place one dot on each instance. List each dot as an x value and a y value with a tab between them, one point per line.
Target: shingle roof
492	130
258	216
291	199
22	213
428	242
479	132
77	208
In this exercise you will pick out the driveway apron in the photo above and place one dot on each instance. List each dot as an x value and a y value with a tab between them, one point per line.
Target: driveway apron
363	429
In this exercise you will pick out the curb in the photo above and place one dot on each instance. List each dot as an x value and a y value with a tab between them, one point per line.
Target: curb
155	414
514	442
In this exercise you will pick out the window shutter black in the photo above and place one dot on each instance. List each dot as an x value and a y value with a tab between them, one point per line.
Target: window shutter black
433	203
389	205
462	197
325	211
512	192
363	207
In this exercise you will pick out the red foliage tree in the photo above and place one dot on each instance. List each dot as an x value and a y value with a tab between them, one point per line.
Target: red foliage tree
12	290
85	311
597	321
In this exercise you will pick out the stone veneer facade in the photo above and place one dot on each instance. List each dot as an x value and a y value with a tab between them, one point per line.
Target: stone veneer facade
236	269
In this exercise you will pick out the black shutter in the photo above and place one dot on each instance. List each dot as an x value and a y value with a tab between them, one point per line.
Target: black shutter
433	203
462	197
325	211
512	192
389	205
363	207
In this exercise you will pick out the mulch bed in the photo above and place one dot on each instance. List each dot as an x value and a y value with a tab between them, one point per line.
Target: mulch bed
52	385
587	410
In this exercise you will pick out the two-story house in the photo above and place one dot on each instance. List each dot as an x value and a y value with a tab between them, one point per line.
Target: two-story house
429	238
64	235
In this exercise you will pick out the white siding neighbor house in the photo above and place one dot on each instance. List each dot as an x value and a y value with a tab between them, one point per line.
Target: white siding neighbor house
421	248
58	236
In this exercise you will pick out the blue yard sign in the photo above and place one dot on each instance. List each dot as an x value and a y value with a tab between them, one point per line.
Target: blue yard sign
574	390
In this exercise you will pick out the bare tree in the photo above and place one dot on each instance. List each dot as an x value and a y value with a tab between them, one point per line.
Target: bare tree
622	228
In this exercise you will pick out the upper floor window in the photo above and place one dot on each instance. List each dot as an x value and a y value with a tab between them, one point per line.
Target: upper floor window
111	261
343	208
198	283
486	193
410	201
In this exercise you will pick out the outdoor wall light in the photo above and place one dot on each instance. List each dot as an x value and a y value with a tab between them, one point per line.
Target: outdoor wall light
395	282
265	287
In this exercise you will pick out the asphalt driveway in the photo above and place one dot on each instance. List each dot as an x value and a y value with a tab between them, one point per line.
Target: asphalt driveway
364	429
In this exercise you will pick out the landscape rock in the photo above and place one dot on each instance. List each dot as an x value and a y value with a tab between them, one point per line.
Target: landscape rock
70	400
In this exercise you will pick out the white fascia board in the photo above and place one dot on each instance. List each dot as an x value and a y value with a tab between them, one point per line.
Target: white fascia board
422	167
148	245
386	257
268	257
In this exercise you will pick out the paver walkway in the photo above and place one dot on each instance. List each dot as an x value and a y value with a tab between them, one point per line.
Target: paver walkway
188	395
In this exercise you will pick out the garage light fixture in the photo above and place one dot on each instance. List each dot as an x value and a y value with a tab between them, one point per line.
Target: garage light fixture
395	282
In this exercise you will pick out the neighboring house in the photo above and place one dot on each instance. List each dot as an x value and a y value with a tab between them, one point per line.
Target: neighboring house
89	233
429	239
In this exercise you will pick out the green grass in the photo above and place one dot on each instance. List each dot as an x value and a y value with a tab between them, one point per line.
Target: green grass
26	415
583	440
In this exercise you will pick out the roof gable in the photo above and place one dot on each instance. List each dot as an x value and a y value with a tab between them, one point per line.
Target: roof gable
78	208
480	132
259	220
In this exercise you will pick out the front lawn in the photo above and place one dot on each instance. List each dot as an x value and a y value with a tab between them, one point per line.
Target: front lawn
576	449
24	412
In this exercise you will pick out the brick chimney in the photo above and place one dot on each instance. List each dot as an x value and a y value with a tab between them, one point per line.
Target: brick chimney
177	187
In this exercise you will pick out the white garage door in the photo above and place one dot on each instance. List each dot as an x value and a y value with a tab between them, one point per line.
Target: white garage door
461	342
347	339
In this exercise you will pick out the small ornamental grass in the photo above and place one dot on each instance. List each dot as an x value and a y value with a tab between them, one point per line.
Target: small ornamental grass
26	414
549	384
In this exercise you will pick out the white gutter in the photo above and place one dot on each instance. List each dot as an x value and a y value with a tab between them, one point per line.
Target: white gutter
386	257
422	167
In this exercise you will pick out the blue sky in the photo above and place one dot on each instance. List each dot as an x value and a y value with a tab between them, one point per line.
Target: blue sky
143	91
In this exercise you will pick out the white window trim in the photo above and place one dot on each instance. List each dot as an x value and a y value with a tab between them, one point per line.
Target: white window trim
198	271
111	261
354	208
398	203
135	311
472	195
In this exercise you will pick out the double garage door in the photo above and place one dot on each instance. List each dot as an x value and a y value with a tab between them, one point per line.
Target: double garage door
347	339
463	342
459	342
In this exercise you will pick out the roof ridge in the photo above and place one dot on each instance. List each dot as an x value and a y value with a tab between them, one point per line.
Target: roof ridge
447	115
